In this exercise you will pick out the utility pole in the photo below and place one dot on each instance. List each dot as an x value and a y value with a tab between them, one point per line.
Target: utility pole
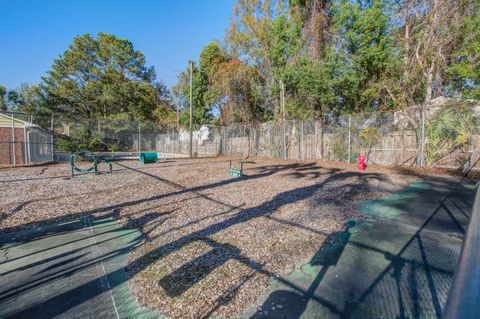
191	109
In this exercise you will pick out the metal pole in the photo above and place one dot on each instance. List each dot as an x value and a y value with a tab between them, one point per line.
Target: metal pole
25	143
283	115
463	297
178	116
299	148
302	150
172	142
52	128
13	140
139	147
422	147
191	109
349	138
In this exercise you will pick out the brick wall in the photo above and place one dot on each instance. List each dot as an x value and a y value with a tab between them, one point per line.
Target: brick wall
6	146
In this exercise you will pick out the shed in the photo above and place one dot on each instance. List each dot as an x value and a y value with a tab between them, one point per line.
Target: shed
22	142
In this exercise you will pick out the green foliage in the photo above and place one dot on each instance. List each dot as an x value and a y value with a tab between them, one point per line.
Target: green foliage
448	130
465	72
368	138
238	87
340	145
201	108
211	58
97	77
82	139
3	93
366	43
287	42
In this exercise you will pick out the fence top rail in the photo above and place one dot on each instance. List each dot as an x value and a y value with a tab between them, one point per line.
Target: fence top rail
463	300
25	114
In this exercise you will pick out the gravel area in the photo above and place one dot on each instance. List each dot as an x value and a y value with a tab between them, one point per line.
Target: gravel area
211	241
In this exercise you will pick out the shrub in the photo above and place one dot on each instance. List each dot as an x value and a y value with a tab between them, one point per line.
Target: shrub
80	140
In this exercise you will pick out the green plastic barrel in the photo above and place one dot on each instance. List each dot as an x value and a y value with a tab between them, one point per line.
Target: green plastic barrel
146	158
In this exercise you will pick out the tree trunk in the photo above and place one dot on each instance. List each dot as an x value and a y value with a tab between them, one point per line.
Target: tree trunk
429	89
316	28
407	40
431	69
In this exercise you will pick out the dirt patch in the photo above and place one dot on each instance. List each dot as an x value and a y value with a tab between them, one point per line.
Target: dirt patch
212	241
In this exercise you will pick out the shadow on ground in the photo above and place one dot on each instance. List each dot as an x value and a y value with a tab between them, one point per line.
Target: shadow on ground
373	268
399	265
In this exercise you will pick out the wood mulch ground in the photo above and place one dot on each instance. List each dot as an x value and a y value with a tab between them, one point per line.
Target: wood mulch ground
211	241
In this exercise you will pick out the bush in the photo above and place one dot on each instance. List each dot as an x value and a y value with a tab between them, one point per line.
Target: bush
448	131
368	138
81	140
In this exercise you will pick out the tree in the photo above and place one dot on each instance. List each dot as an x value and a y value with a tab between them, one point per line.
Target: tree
31	100
464	73
3	93
202	109
238	88
433	33
13	100
165	111
248	35
365	34
211	57
100	77
316	27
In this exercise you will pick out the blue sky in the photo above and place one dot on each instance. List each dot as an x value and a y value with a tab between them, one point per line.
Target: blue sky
168	32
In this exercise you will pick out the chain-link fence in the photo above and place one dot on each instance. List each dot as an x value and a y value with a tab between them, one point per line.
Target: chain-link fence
128	138
28	139
25	139
440	137
443	137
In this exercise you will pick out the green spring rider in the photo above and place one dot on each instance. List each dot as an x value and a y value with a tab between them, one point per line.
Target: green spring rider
93	158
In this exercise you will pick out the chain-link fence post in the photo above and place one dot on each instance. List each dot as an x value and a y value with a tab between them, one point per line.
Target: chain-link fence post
25	150
284	140
172	142
349	138
302	147
14	161
139	146
422	147
52	129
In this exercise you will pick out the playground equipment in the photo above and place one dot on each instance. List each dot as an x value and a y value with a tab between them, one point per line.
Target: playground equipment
150	157
238	172
91	157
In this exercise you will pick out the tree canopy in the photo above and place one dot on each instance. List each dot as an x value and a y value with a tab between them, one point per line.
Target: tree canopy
329	56
341	56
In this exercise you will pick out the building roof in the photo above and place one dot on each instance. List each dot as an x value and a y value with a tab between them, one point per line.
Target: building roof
6	121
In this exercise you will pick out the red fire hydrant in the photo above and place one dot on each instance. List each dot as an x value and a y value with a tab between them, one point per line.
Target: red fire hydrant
361	162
